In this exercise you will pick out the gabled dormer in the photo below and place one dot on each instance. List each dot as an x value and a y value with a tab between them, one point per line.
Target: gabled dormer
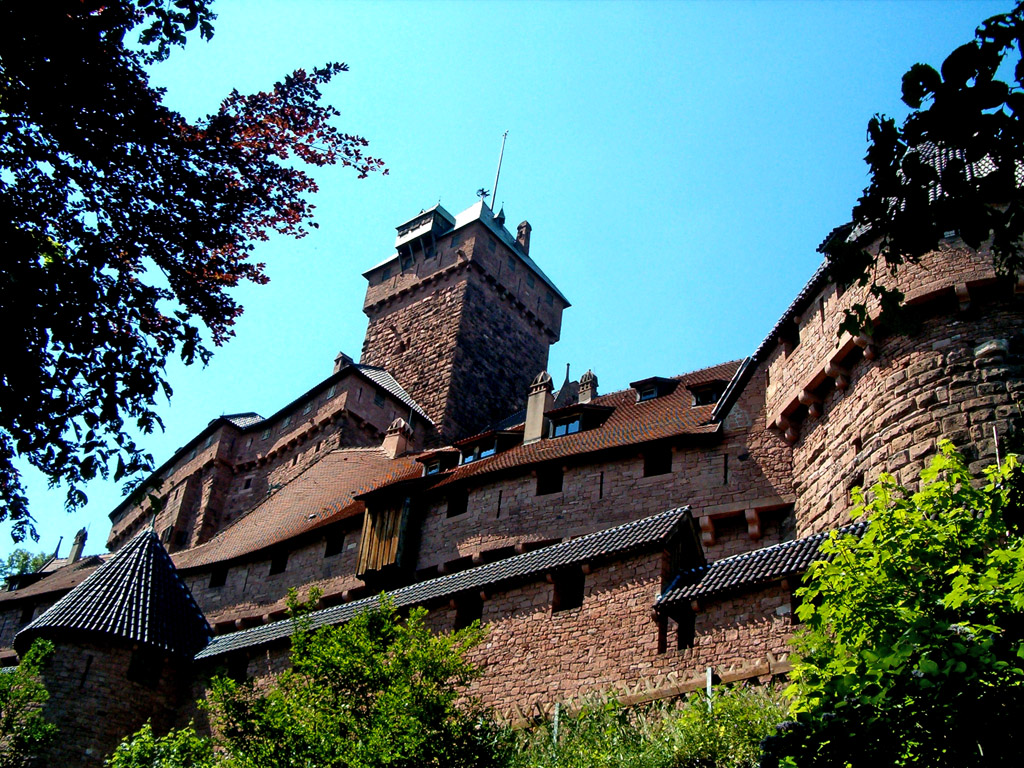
653	387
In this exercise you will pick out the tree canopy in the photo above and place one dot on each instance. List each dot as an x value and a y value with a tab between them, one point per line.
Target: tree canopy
124	225
21	561
381	689
954	166
24	730
913	649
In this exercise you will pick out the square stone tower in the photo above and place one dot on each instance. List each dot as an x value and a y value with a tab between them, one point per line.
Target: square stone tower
462	317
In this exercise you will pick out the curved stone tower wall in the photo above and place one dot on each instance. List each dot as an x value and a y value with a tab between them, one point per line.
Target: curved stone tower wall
855	408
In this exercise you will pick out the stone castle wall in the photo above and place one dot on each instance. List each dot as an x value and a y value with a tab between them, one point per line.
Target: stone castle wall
854	408
107	703
533	656
230	471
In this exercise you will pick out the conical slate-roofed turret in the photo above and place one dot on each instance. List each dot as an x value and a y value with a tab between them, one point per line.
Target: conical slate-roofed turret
137	595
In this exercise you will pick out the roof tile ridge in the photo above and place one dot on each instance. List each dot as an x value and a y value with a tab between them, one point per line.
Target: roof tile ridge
708	367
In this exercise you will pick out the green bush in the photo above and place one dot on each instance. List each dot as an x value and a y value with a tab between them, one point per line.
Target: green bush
607	735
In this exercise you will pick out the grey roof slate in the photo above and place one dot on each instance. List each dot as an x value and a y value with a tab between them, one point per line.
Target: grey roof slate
632	537
762	566
244	420
385	380
137	595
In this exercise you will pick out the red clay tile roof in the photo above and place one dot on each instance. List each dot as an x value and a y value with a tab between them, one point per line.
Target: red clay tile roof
62	580
136	595
631	423
323	493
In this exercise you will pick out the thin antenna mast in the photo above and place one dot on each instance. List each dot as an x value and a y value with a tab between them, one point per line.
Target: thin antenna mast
494	191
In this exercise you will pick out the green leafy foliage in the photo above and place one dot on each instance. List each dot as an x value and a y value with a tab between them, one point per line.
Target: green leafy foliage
177	749
124	225
23	728
913	645
950	167
377	690
606	735
21	561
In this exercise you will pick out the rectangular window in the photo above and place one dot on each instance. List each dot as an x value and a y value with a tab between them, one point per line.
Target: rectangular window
511	262
570	427
405	262
279	562
218	576
335	544
286	422
568	591
549	299
386	274
265	435
529	280
549	480
458	502
492	244
432	468
456	239
308	408
468	608
378	399
209	441
657	461
331	391
648	393
248	484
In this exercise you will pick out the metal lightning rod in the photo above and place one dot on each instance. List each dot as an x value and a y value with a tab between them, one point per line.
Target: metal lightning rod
494	191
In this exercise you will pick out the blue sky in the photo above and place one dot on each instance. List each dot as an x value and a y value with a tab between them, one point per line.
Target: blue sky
679	163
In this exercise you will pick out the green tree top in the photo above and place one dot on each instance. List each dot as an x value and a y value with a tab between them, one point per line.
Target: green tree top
124	225
954	165
912	650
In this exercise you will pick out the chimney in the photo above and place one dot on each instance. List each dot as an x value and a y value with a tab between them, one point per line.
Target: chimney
396	439
523	236
588	387
540	400
341	361
77	546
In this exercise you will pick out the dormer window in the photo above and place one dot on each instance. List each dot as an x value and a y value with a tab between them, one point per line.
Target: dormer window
654	387
566	427
707	394
471	453
432	468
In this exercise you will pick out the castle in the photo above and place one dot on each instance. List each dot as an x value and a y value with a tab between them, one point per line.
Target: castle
625	541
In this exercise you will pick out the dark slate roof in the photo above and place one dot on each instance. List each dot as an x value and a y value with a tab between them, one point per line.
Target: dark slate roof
244	420
137	595
750	569
386	381
634	536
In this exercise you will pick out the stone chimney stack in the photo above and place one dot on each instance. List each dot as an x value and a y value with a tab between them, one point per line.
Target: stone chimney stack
588	387
523	236
77	546
397	438
540	400
341	361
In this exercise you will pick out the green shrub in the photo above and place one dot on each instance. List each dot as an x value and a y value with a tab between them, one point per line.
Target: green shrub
605	734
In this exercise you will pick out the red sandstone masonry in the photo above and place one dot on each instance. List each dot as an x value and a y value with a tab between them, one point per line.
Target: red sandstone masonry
204	493
94	704
532	657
